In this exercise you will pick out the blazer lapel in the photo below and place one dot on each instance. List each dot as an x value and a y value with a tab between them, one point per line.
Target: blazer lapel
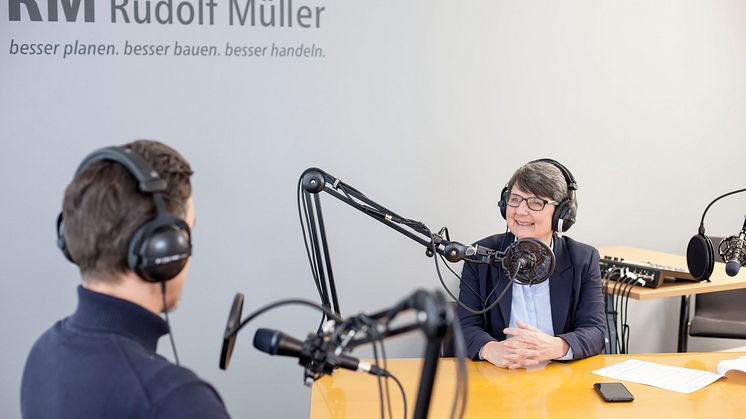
560	285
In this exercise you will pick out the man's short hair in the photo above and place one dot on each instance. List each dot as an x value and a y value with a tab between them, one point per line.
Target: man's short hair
541	179
103	208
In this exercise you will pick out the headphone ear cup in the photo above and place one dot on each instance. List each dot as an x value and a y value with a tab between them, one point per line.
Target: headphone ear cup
503	203
133	254
61	244
700	257
564	216
159	250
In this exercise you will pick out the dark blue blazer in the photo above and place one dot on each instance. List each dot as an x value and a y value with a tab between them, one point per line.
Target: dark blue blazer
574	291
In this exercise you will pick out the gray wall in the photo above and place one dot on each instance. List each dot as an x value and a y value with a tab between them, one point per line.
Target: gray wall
425	106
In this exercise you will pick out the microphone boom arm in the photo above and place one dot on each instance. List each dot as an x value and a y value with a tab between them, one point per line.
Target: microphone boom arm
313	181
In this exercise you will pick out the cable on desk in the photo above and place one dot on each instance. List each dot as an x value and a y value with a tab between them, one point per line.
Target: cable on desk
458	408
612	305
618	275
379	380
605	288
625	282
403	395
386	383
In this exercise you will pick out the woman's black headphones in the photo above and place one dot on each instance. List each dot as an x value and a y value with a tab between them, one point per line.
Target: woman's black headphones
161	247
567	210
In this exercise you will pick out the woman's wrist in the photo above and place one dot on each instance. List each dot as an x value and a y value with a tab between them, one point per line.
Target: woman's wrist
562	346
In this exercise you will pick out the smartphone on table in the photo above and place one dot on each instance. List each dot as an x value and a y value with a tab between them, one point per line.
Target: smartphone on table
614	392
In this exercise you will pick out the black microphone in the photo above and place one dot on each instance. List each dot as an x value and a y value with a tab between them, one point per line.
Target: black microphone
529	261
733	252
275	342
524	260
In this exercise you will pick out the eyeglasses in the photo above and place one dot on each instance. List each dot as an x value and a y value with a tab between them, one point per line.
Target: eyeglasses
534	203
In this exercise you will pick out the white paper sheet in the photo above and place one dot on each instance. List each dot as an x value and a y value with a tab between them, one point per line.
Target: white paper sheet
683	380
738	364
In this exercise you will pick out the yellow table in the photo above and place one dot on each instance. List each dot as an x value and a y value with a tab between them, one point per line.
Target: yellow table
558	390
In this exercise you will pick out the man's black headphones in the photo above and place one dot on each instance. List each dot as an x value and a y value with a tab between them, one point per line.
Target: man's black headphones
567	210
161	247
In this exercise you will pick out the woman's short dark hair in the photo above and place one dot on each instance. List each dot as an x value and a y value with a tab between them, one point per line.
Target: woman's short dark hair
103	207
541	179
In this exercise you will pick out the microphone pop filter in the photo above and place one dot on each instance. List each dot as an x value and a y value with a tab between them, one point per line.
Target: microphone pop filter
229	338
540	258
700	257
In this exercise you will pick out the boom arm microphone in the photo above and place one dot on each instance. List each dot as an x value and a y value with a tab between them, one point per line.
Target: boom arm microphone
700	253
733	251
312	354
529	261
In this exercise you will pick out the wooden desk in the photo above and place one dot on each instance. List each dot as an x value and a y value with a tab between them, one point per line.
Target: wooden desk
719	281
558	390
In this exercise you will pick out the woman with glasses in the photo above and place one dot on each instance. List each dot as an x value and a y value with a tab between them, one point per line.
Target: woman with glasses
558	319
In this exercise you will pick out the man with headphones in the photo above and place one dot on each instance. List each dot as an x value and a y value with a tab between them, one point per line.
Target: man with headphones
559	319
126	223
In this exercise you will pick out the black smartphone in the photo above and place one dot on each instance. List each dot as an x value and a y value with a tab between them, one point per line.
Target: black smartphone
614	392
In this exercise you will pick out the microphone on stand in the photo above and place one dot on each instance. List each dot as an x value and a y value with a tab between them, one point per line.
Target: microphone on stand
733	252
529	261
311	354
700	253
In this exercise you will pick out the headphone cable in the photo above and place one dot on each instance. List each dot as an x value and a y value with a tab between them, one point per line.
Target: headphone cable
170	333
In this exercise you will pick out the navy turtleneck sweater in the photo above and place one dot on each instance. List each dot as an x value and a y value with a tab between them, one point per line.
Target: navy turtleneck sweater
101	363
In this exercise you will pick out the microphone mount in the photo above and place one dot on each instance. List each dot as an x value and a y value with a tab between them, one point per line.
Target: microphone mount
317	360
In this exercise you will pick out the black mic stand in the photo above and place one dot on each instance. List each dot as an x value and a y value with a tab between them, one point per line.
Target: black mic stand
321	350
437	318
314	181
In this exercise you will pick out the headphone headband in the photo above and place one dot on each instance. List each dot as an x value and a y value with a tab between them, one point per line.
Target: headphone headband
148	179
572	185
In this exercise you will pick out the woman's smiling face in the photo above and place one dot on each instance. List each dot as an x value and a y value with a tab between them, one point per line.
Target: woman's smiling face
526	223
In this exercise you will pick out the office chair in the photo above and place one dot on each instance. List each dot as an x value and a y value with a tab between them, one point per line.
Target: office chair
719	314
